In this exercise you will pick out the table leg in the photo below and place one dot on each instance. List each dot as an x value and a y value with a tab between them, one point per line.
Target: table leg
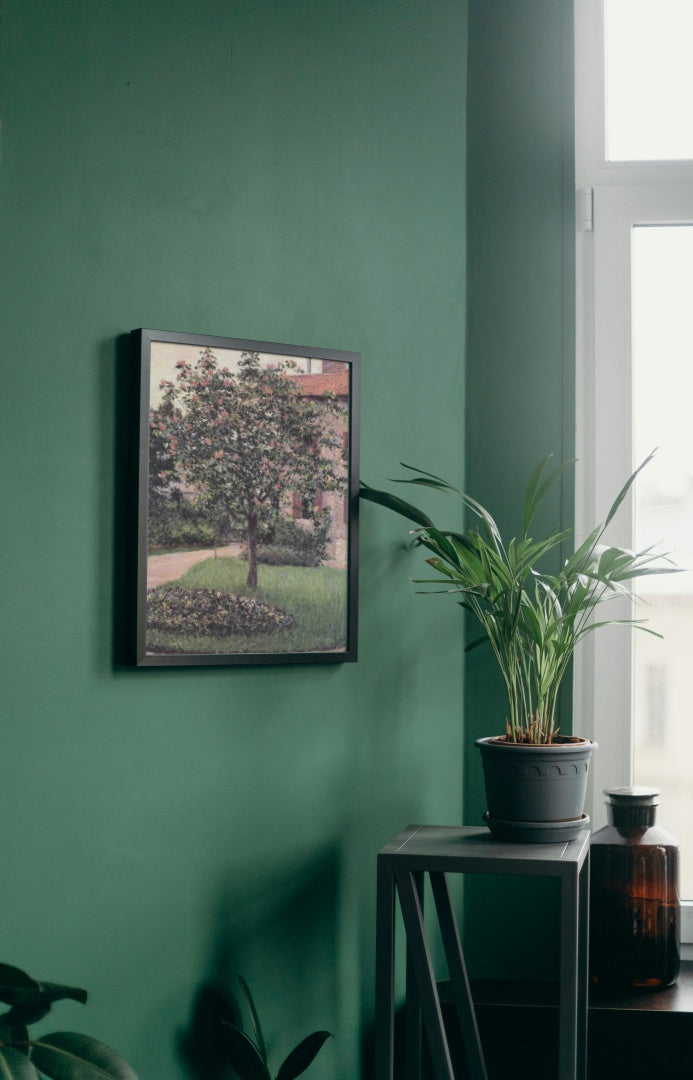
385	971
458	977
568	984
425	978
583	968
412	1067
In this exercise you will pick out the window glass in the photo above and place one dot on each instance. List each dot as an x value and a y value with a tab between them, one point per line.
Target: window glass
649	79
662	353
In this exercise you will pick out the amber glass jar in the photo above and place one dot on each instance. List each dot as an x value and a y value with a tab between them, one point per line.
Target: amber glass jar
635	915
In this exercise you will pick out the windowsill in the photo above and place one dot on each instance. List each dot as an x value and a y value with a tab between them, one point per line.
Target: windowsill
673	999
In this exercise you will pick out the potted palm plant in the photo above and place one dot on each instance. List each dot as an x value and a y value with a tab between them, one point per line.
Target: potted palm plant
533	618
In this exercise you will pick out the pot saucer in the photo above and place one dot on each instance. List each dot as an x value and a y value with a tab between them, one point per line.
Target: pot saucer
535	832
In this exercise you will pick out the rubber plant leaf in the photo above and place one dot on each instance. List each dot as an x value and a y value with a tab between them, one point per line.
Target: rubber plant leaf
12	978
301	1056
31	1000
243	1055
67	1055
16	1034
253	1017
14	1065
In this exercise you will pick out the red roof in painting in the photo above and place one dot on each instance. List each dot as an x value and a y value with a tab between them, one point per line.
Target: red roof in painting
330	382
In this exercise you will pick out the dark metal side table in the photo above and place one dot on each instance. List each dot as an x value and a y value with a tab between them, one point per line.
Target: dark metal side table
441	850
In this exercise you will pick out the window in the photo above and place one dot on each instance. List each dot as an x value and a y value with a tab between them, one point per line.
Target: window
651	709
648	80
634	166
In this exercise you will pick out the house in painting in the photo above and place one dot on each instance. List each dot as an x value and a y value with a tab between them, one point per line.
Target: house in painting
332	383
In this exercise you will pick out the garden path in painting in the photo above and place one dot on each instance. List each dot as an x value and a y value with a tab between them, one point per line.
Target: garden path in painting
164	568
169	567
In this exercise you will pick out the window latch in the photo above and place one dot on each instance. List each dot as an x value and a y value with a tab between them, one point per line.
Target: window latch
585	209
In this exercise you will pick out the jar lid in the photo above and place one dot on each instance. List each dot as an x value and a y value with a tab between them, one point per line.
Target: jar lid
632	796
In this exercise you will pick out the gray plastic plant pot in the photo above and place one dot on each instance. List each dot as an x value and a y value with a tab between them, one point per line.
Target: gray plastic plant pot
536	786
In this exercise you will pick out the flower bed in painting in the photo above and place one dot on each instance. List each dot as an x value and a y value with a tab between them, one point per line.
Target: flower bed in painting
212	612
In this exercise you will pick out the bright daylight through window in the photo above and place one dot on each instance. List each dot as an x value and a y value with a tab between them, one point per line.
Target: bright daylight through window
634	166
649	79
662	393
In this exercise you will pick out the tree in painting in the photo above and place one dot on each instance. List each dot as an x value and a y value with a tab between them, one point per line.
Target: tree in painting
244	440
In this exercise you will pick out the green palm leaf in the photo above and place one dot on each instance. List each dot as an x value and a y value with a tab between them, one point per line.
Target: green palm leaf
625	489
432	476
384	498
537	490
531	617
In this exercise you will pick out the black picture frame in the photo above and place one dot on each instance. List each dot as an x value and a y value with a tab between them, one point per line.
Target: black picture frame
248	461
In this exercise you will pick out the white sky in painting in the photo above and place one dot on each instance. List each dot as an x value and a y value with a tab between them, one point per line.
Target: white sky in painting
165	355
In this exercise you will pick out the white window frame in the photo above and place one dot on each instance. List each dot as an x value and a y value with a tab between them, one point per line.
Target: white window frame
611	198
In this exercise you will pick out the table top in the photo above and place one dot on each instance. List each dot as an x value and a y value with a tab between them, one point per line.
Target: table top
465	849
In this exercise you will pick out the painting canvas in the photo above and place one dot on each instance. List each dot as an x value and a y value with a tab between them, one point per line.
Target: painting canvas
247	503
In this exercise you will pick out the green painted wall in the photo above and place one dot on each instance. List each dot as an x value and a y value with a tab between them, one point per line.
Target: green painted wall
279	171
520	363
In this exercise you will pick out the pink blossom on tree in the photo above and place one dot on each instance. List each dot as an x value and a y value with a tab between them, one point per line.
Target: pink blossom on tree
244	439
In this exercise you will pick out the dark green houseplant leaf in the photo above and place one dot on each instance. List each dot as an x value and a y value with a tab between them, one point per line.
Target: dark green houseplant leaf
202	1044
14	1065
13	978
243	1055
66	1055
301	1056
253	1017
16	1035
31	1000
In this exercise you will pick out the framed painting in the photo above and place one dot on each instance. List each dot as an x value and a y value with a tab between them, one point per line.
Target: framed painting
248	501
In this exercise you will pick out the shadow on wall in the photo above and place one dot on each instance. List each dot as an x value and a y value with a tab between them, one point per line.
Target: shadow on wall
280	931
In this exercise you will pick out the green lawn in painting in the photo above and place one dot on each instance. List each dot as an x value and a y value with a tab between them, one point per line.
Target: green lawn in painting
316	597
